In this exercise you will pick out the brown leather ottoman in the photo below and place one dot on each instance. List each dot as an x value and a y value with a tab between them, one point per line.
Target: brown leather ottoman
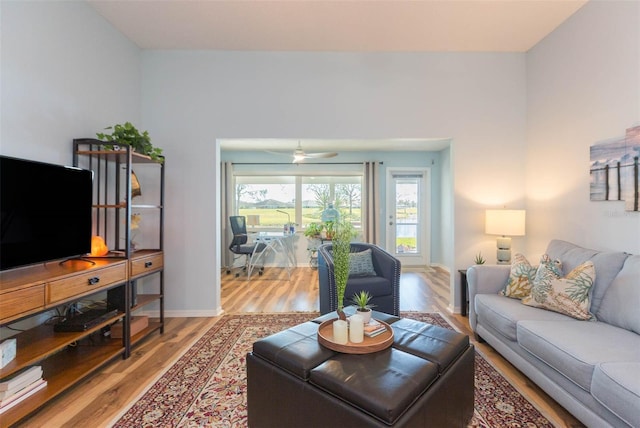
425	379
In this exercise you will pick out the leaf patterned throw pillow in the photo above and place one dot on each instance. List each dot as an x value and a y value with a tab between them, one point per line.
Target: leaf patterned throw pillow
569	295
520	280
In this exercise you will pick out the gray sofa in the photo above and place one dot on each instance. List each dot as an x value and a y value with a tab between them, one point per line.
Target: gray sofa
591	368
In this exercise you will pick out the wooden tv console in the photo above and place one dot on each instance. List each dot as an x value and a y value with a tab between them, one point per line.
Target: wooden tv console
68	357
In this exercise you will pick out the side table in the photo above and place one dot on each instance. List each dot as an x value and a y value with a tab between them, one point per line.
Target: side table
464	300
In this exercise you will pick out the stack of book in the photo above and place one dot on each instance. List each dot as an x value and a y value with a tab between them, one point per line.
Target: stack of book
20	386
374	328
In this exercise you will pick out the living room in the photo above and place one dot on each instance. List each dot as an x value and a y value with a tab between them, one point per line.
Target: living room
520	123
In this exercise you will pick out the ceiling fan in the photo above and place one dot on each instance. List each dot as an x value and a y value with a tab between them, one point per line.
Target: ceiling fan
299	155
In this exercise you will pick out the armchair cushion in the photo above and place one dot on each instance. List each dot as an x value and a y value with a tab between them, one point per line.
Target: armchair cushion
375	285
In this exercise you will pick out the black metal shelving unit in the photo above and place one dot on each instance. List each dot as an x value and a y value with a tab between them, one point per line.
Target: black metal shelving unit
113	208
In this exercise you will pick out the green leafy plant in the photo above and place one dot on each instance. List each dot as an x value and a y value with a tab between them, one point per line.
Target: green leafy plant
479	260
329	228
362	299
127	134
313	230
343	233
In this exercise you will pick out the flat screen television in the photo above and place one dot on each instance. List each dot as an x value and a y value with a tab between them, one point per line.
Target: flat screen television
46	212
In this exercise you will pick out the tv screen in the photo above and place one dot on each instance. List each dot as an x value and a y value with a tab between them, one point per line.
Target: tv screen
46	212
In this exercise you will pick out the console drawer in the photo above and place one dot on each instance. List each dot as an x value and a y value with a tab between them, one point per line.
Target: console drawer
146	265
85	283
21	302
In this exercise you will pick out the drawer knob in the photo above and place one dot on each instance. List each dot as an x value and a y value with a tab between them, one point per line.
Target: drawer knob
94	280
148	264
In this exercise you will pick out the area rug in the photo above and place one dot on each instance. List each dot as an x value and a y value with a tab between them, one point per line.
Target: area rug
206	387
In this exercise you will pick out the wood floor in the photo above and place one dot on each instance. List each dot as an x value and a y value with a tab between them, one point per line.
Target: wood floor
103	396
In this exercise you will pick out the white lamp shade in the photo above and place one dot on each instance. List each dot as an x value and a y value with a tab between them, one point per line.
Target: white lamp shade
253	220
505	222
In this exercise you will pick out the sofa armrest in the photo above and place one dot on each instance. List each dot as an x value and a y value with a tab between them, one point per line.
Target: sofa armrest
484	279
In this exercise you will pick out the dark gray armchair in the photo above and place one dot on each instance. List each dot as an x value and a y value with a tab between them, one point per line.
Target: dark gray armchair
384	286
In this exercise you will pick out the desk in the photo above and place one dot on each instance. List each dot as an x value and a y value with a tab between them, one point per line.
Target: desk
278	243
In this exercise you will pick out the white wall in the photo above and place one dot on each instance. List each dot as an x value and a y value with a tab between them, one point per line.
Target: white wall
583	86
192	98
66	73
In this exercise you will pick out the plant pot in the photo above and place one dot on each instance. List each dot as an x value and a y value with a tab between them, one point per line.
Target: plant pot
365	314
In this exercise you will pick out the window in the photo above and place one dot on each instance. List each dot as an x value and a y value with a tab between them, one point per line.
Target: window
299	199
272	198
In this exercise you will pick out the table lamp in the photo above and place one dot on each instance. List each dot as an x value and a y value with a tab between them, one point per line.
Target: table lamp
253	220
506	223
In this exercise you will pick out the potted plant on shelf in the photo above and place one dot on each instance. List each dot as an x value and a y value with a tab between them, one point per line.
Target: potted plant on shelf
128	135
363	309
313	230
329	229
343	233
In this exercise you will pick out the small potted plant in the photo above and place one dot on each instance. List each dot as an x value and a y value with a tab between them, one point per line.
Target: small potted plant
313	230
128	135
479	260
363	309
329	228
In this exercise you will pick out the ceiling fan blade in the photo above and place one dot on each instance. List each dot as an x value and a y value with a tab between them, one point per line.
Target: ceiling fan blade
321	155
288	154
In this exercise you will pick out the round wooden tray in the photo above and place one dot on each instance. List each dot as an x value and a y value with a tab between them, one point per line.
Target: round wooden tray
369	345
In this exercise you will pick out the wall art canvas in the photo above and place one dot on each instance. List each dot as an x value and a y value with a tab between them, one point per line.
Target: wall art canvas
614	170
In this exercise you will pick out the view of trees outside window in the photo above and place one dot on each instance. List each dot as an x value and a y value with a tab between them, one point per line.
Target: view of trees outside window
270	196
407	216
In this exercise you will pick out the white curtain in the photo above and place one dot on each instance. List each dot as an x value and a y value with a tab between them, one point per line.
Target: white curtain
226	209
371	203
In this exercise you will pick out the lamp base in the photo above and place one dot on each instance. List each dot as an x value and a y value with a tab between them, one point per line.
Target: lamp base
504	250
503	243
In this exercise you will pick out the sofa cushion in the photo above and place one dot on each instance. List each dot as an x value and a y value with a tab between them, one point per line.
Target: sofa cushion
569	295
621	303
607	265
617	387
574	348
360	264
502	314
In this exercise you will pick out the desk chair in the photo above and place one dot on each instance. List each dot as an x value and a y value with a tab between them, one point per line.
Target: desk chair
239	245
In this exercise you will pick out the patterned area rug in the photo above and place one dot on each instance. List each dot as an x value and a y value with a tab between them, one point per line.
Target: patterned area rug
206	387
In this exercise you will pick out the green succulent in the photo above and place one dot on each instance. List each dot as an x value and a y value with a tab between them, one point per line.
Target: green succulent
362	299
479	260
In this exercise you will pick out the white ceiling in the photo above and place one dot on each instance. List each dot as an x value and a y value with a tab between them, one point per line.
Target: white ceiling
338	25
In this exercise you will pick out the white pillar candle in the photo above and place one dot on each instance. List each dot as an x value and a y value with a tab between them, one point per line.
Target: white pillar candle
340	332
356	329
